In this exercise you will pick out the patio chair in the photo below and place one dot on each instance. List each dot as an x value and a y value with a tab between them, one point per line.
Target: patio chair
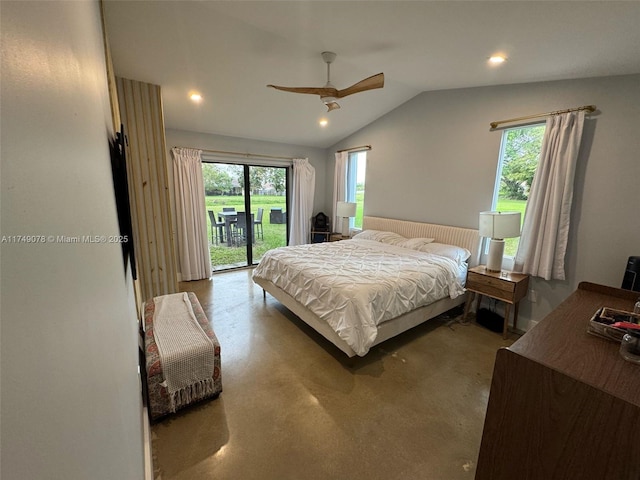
239	229
216	228
277	216
257	223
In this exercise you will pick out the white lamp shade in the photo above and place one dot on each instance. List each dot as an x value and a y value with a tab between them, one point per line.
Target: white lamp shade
346	209
499	224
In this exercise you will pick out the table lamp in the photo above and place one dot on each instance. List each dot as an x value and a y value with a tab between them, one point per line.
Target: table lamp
497	226
345	210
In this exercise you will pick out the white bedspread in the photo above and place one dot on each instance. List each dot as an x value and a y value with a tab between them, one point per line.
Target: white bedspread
356	285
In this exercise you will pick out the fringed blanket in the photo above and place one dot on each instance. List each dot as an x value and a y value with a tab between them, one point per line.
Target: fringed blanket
186	352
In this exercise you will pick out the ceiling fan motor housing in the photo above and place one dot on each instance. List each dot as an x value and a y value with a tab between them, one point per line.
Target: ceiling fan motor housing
328	57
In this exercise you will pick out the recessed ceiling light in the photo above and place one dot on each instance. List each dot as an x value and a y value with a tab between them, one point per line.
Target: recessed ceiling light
497	59
195	97
323	122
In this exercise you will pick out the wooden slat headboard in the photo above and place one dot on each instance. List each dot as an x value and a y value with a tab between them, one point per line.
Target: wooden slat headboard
463	237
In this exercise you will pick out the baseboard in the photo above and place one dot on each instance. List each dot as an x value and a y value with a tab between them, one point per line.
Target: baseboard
146	435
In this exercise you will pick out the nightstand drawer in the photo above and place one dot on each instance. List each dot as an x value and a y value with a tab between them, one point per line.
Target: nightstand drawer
494	287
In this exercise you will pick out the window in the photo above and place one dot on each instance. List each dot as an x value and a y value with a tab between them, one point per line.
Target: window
356	168
519	155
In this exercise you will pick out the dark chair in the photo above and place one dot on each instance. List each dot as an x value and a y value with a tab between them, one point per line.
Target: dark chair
277	216
216	228
239	229
257	224
228	209
320	229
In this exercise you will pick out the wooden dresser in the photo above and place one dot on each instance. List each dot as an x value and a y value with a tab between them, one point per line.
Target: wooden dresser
564	404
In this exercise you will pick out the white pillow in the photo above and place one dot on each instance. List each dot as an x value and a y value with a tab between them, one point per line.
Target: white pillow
380	236
415	243
457	254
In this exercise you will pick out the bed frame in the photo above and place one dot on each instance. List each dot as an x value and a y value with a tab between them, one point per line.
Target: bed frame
462	237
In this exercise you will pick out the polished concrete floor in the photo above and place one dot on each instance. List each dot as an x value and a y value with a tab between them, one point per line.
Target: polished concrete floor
295	407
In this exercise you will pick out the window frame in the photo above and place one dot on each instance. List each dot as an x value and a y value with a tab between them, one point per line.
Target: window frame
351	181
498	179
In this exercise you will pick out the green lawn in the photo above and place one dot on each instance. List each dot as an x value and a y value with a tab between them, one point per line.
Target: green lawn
274	234
511	244
359	209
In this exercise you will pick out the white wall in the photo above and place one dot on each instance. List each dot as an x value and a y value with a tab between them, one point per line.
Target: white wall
71	403
434	159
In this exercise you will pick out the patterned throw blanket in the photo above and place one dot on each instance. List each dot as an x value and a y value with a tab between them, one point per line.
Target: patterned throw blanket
186	352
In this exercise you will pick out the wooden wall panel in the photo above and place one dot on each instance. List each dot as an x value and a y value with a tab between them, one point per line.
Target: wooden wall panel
141	111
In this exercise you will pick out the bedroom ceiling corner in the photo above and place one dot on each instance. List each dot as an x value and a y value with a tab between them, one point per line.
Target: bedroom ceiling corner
230	51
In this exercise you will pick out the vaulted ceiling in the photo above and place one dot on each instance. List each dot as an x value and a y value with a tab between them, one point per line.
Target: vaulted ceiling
228	51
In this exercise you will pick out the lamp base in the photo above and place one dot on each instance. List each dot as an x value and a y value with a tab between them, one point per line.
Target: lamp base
496	252
345	227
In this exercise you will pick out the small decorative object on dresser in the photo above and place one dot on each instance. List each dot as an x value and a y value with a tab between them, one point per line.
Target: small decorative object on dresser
508	287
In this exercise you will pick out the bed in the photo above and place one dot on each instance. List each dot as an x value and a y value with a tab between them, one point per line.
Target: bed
357	293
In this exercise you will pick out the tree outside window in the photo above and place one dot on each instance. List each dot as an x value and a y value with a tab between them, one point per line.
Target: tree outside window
519	156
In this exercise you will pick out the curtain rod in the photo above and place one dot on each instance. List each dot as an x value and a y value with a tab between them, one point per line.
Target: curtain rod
247	155
360	148
589	108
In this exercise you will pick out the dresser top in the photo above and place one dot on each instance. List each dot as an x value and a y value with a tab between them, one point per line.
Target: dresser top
561	342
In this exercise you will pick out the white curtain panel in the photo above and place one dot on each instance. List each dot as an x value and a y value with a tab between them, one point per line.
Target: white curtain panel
545	230
339	187
304	186
194	259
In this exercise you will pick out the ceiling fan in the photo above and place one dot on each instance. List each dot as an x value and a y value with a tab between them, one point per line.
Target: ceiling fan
329	94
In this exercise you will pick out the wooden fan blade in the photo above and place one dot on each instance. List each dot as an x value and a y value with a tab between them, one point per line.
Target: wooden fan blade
323	92
374	81
332	106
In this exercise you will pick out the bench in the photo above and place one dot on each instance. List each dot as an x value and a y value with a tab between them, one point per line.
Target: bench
158	400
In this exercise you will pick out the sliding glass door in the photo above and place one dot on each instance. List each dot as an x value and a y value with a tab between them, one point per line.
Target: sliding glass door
268	199
246	212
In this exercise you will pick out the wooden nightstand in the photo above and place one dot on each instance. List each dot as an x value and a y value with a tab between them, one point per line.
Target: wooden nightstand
508	287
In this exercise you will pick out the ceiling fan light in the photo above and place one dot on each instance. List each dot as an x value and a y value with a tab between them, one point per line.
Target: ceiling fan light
332	106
